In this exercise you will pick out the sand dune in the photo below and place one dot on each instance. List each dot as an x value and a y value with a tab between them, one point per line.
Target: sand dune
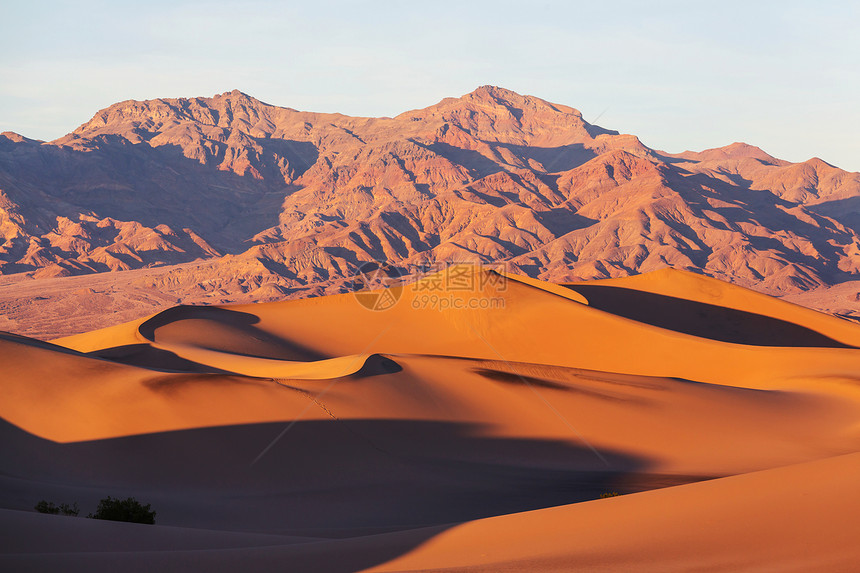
739	523
471	431
795	518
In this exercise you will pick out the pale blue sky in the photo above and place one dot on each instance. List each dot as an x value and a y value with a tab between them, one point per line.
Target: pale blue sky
681	75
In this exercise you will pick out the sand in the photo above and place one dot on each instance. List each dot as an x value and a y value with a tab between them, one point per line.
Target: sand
475	431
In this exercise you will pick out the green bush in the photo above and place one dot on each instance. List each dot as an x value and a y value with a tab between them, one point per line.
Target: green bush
131	510
45	506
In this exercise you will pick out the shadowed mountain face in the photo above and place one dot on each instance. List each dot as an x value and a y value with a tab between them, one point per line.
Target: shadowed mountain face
292	202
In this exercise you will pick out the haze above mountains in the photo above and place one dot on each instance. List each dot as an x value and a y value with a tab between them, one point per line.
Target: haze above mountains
268	202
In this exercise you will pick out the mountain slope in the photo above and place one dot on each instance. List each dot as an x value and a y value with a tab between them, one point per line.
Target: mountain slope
294	202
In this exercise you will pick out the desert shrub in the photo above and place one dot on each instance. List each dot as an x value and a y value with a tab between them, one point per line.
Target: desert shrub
70	510
129	509
606	494
45	506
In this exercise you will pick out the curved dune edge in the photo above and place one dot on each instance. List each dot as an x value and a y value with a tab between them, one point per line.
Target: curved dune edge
670	282
613	412
553	288
563	331
118	335
701	288
65	397
267	368
535	326
795	518
130	334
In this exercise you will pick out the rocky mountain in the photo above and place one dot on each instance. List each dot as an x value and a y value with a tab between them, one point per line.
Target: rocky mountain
280	202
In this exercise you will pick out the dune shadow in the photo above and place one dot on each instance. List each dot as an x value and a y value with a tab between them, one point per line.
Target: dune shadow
377	365
223	330
188	312
701	319
522	379
21	339
336	479
146	356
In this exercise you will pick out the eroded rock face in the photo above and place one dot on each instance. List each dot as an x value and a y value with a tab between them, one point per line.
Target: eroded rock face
292	202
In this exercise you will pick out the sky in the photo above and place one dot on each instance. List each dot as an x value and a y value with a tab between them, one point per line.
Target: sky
784	76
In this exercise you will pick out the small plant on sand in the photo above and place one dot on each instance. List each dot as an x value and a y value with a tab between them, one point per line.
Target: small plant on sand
131	510
606	494
45	506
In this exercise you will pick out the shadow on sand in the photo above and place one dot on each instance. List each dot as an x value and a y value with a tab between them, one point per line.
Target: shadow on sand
333	479
702	319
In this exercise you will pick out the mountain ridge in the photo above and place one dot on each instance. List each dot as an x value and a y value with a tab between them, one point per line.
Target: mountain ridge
298	200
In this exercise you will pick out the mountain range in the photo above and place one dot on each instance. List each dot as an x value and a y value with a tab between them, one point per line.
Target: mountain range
231	199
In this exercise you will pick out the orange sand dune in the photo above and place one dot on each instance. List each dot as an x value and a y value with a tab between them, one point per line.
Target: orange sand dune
69	397
459	426
719	350
689	286
795	518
